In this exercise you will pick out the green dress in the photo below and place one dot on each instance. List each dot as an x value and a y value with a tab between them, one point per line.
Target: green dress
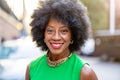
68	70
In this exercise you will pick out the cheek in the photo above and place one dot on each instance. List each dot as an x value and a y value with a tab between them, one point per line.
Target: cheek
67	38
46	38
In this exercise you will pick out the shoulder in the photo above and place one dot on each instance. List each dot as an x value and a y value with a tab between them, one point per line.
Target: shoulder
87	73
36	62
79	61
27	76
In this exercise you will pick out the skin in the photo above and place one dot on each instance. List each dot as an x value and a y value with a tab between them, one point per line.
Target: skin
27	76
87	73
58	39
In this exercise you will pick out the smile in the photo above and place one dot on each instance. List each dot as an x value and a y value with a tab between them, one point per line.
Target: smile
56	45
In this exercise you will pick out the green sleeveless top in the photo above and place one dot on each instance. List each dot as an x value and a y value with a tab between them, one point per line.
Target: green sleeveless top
68	70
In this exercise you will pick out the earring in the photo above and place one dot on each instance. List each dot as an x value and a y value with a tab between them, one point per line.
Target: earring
71	42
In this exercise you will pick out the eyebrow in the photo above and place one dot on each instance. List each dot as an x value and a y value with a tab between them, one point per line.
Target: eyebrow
60	27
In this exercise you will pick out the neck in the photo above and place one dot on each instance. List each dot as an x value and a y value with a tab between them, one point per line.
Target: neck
59	56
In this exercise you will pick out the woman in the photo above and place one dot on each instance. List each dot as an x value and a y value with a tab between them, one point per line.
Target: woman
60	27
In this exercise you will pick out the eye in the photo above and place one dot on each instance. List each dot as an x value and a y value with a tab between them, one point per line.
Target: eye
49	31
63	31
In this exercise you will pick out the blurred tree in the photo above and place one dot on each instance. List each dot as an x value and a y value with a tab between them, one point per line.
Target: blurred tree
98	12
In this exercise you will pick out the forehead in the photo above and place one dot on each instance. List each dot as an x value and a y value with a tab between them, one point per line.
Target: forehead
56	23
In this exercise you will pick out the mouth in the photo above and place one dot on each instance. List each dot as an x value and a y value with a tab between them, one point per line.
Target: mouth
56	45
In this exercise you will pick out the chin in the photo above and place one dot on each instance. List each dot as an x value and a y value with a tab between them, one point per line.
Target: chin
56	52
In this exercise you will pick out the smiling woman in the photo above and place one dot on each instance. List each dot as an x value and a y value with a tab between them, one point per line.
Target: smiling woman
57	38
60	27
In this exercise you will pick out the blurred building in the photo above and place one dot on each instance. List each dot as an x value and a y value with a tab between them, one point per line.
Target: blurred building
108	40
9	26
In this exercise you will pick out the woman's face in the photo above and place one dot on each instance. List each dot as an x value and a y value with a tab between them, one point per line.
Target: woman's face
57	37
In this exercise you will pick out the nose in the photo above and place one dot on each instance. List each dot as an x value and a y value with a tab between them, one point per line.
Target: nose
56	36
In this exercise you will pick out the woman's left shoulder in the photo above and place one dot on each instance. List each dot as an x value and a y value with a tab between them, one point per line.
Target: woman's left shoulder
87	73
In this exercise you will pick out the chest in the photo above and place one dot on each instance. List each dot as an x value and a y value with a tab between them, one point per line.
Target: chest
70	70
60	73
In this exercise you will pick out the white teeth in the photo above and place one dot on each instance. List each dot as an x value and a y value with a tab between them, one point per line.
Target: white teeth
56	44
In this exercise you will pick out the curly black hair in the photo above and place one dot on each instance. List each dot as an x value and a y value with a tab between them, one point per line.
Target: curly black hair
69	12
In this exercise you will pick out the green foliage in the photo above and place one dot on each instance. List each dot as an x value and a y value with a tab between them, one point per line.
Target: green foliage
98	13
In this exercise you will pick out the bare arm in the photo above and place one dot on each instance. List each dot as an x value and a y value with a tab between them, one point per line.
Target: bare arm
88	74
27	73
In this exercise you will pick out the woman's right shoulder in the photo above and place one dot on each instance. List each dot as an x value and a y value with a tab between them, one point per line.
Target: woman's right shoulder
31	66
36	61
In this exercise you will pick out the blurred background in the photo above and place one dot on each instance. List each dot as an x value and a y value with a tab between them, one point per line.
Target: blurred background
101	50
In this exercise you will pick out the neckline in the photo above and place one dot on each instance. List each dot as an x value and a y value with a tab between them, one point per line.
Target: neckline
59	63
